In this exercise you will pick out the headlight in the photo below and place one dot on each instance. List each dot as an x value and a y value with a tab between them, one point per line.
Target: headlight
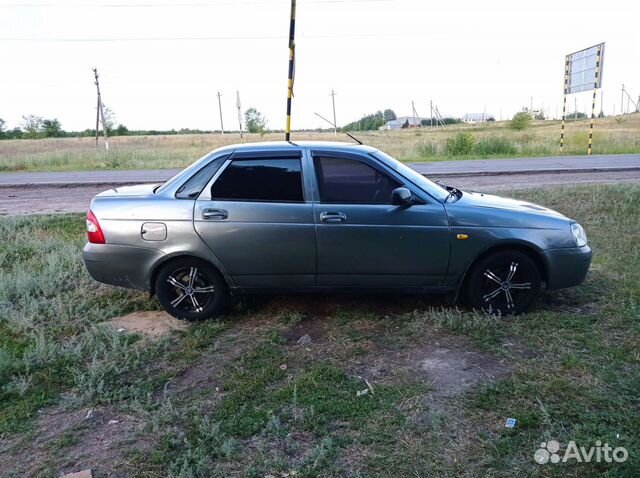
578	234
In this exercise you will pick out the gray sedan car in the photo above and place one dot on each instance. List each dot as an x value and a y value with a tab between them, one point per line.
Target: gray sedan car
315	216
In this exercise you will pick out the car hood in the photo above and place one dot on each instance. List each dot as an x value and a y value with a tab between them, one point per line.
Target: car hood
129	191
478	209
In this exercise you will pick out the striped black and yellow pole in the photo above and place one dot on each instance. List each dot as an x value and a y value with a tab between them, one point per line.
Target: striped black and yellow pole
292	54
593	101
564	102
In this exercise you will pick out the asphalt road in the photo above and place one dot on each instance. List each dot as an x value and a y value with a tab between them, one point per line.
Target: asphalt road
52	193
554	164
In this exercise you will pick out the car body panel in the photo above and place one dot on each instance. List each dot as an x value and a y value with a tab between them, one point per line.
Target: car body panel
261	243
383	243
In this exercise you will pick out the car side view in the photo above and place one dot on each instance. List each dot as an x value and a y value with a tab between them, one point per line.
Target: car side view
315	216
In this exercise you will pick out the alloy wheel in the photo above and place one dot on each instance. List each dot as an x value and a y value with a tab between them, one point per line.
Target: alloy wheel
192	289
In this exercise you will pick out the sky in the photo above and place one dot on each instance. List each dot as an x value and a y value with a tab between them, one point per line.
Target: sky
162	62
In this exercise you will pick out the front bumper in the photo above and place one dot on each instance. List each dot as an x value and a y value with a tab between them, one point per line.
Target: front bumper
124	266
567	267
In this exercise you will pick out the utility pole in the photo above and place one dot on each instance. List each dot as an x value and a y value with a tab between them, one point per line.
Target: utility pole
415	114
575	109
292	59
601	103
239	112
431	109
100	113
622	100
220	108
333	100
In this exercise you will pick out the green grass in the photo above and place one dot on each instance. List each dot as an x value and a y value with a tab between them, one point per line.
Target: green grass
240	397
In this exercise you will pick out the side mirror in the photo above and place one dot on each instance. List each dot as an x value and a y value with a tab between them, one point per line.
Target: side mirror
401	197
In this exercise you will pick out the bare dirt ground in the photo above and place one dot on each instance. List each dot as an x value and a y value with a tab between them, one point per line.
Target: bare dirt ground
31	199
149	323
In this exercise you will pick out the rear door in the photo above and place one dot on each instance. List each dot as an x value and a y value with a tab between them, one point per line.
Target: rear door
364	240
256	220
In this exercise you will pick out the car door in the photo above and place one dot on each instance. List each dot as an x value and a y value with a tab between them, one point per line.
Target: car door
364	240
257	222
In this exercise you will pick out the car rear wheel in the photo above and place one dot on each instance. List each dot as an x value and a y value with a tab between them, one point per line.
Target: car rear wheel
506	282
191	289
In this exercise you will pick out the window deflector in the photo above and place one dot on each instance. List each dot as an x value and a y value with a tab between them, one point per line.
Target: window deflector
205	195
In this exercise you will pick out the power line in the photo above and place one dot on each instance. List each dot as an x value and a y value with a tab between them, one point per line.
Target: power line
207	38
173	5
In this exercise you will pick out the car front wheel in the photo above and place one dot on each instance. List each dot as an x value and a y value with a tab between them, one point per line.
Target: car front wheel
506	282
191	289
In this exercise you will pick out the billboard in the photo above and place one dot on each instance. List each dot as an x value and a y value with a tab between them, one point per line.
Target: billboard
583	70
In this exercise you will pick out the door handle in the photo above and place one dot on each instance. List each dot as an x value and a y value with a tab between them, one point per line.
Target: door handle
333	217
214	214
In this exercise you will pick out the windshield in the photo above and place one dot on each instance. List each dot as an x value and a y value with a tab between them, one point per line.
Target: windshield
416	178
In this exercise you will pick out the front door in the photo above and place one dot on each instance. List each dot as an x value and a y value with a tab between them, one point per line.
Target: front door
256	222
364	240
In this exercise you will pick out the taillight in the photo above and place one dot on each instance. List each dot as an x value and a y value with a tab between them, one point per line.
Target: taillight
93	229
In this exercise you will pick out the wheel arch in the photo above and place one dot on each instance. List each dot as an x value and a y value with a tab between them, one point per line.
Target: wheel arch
529	249
167	259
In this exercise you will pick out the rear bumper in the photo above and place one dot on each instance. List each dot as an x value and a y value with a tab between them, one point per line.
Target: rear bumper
567	267
124	266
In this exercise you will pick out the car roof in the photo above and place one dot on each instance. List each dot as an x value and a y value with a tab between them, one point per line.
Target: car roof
284	145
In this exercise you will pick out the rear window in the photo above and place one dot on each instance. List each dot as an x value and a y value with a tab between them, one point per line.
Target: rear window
265	180
194	186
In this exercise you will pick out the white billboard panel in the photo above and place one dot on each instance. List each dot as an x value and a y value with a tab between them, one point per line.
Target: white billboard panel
583	69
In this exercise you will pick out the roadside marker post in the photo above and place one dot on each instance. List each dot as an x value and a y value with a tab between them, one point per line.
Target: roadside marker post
593	101
564	102
292	53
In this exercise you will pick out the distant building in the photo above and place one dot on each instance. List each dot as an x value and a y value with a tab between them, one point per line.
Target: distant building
413	122
477	117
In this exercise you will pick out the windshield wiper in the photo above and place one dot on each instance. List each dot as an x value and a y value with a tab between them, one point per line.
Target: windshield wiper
453	191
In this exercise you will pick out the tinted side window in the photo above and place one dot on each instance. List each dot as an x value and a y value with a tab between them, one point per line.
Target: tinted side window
196	183
278	180
353	182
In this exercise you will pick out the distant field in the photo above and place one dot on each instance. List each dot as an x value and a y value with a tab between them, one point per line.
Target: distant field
490	140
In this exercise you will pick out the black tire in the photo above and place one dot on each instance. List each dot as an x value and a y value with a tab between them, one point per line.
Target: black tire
191	289
506	282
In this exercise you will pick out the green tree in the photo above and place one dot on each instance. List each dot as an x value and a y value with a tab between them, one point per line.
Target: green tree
3	125
520	121
32	126
109	119
367	123
389	115
52	128
256	123
121	130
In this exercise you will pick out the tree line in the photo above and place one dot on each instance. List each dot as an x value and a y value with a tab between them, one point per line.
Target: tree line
37	127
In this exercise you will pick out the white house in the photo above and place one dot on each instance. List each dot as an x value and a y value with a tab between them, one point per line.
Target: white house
477	117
